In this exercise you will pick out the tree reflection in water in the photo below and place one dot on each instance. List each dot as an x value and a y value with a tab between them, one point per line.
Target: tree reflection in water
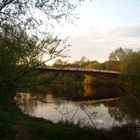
77	103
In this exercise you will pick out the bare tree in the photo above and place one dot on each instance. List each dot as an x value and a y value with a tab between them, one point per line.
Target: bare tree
30	14
19	29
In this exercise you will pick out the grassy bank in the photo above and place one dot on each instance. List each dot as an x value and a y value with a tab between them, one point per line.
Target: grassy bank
14	125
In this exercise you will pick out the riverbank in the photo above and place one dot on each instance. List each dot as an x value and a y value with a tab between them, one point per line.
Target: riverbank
14	125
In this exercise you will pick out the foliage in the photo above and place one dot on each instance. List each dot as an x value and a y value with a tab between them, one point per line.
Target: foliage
24	127
113	65
59	63
21	126
27	13
119	54
93	65
23	44
20	54
131	63
116	57
89	79
126	61
82	61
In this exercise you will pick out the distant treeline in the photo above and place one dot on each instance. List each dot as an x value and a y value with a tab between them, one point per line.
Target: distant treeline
123	60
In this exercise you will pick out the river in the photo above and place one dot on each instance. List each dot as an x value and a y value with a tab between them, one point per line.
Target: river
85	105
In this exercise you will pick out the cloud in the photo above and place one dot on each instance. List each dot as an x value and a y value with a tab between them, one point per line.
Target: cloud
129	31
98	44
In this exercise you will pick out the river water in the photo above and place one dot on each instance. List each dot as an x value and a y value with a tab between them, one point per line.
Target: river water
85	105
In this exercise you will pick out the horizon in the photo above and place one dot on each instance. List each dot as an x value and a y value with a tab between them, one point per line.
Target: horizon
102	27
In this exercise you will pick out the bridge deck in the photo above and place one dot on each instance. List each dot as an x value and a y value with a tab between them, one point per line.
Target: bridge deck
80	70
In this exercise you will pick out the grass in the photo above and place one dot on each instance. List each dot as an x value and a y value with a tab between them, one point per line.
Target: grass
14	125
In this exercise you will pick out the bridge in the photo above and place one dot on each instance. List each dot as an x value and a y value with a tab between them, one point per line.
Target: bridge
96	72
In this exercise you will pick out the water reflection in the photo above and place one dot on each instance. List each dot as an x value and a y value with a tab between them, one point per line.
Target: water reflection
75	103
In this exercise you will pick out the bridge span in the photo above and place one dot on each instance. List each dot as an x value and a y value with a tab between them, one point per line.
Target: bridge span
95	72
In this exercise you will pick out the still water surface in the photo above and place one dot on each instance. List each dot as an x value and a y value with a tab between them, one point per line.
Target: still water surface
86	105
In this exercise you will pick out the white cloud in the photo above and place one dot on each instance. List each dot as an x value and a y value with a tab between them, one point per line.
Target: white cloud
129	31
98	44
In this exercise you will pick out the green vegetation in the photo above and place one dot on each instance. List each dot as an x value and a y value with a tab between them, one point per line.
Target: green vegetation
127	61
123	60
15	125
22	44
22	48
20	55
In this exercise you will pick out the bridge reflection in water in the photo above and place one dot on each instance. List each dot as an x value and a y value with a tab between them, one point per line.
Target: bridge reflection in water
72	102
66	102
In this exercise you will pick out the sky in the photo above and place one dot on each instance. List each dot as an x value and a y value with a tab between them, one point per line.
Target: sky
103	26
